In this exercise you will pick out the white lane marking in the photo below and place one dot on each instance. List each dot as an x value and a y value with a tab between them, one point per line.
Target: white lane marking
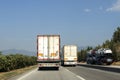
26	75
81	78
67	69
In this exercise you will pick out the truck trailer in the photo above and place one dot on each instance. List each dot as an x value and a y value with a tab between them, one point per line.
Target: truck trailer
69	55
48	51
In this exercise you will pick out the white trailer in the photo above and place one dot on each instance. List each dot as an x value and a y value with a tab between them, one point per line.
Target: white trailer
48	51
69	55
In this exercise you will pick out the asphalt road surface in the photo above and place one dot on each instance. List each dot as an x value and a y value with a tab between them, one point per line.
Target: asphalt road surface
68	73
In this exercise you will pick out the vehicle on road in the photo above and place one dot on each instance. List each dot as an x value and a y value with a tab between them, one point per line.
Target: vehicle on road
69	55
48	51
100	56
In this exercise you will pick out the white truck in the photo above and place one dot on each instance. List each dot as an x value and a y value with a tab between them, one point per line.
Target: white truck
48	51
69	55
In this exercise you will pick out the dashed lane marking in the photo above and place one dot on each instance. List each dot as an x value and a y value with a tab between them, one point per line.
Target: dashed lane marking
81	78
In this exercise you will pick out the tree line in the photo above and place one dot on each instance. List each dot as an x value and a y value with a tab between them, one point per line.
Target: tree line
15	61
113	44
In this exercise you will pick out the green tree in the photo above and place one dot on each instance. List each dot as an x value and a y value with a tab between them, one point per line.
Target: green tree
89	48
115	41
98	47
82	55
116	35
107	44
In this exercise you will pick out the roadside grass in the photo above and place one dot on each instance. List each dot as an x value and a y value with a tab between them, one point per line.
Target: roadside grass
7	75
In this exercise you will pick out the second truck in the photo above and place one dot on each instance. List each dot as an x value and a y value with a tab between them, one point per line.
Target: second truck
69	55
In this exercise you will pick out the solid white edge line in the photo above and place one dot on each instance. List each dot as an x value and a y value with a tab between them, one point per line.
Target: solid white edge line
26	75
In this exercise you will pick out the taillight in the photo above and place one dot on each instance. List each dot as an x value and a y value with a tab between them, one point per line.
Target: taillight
75	59
40	54
66	59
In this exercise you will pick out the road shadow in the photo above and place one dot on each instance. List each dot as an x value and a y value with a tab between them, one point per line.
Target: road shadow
48	69
69	65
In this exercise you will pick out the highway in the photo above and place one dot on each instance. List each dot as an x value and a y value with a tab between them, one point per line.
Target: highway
68	73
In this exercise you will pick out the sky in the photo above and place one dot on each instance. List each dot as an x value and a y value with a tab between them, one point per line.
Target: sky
79	22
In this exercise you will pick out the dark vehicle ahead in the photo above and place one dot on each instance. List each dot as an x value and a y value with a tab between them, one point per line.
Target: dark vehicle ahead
100	56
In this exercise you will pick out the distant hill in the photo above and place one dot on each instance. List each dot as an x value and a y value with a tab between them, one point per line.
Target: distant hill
24	52
15	51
